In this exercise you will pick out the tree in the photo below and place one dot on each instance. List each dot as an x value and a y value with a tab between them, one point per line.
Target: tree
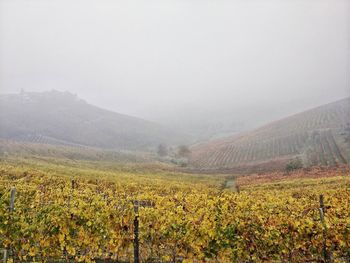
162	150
183	151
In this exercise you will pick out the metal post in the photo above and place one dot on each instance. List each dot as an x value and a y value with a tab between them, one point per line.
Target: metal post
11	208
5	256
12	199
321	201
137	204
136	234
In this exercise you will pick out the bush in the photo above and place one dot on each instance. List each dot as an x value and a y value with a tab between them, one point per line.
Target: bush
294	164
182	162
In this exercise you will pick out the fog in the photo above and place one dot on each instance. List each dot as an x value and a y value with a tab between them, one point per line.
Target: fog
188	63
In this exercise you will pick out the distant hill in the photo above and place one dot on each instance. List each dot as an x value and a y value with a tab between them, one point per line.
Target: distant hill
10	148
319	136
61	118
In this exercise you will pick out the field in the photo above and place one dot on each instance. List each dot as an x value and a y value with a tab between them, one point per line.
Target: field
78	211
319	137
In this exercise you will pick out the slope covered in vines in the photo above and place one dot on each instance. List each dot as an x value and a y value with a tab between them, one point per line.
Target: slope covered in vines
319	137
84	214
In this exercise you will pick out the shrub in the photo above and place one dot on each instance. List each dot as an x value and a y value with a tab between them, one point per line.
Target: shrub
294	164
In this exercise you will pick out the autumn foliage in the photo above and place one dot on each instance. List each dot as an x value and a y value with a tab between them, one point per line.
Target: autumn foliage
193	220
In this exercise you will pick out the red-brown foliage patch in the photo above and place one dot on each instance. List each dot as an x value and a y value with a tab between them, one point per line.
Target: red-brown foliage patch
314	172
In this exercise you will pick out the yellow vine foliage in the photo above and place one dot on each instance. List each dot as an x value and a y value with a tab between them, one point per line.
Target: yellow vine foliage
191	220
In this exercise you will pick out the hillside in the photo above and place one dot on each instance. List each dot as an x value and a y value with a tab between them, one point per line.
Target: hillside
15	149
61	118
319	136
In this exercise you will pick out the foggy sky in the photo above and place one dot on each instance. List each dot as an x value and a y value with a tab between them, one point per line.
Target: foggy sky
180	58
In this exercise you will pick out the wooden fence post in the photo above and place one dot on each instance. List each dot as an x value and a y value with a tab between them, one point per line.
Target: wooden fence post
326	255
136	233
11	208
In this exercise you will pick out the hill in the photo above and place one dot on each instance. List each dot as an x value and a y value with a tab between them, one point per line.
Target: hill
61	118
319	136
14	149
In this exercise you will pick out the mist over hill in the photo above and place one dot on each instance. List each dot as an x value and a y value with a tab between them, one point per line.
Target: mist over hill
62	118
319	136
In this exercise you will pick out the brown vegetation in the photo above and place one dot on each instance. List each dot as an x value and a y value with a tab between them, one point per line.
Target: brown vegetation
312	173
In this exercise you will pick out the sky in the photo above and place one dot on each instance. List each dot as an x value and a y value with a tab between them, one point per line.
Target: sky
173	60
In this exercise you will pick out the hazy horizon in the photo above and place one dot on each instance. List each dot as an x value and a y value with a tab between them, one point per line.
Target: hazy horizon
181	62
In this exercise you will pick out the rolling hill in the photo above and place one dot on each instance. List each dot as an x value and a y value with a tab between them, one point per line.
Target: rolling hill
23	149
319	136
61	118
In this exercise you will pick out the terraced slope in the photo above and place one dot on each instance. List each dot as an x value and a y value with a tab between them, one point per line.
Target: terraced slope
319	136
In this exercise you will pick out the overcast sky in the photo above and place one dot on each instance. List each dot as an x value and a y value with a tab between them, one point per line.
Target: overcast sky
155	58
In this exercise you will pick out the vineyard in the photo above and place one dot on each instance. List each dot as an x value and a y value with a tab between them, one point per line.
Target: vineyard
318	136
79	213
38	138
